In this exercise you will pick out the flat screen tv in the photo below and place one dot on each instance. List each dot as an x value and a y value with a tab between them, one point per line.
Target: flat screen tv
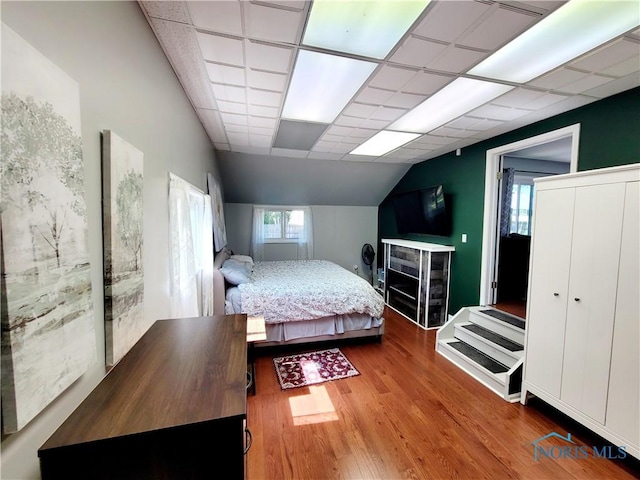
422	211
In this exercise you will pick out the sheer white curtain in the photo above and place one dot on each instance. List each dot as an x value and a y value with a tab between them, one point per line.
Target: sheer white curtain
305	239
257	234
190	250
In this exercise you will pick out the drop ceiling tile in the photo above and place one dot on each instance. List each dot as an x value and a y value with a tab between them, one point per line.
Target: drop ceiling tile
266	80
262	122
291	4
376	124
456	59
363	133
497	112
426	83
251	150
232	107
236	129
359	110
587	83
392	78
182	49
226	74
273	24
337	130
625	68
325	156
486	124
465	123
388	114
359	158
342	148
498	28
518	97
405	153
446	21
219	49
269	58
234	119
324	146
431	139
609	56
558	78
404	100
175	11
213	125
288	152
346	121
262	111
332	138
261	131
544	101
451	132
375	96
264	98
229	93
260	140
417	52
238	139
221	17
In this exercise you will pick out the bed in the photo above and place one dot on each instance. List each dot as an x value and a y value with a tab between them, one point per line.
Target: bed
301	301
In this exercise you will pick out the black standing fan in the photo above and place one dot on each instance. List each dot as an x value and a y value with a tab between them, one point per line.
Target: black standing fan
368	254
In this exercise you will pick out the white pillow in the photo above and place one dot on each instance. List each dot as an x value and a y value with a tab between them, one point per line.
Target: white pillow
236	272
242	258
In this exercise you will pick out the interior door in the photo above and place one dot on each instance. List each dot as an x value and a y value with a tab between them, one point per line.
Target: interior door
595	257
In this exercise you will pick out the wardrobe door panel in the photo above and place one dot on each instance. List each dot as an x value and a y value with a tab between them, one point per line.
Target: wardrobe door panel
623	412
549	285
595	256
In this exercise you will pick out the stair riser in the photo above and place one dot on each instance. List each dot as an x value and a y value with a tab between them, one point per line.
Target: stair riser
486	347
488	379
512	333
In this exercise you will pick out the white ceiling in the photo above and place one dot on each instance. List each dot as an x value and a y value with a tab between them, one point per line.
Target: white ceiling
235	58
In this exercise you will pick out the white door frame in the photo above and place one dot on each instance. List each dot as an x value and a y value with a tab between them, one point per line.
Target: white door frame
492	206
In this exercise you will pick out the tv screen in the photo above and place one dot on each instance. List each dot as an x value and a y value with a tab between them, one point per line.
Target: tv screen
422	211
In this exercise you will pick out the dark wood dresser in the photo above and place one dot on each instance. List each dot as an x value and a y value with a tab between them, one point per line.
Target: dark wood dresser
173	407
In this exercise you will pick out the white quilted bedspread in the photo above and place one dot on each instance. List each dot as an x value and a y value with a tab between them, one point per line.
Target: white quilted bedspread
307	289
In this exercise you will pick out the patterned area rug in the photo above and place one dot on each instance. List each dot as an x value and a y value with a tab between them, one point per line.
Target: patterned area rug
314	367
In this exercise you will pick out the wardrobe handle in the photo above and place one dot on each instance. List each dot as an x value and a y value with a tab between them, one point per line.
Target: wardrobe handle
577	299
249	380
249	438
556	294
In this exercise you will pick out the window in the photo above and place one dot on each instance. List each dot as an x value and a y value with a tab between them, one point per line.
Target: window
521	205
283	225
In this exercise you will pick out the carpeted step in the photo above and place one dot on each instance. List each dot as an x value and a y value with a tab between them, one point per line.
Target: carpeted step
493	337
504	317
478	357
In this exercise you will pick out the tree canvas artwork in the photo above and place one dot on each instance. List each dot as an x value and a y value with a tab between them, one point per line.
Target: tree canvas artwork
123	243
48	337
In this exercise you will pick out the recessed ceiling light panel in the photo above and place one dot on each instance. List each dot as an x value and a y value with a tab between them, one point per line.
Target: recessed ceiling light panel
368	28
383	142
322	84
572	30
459	97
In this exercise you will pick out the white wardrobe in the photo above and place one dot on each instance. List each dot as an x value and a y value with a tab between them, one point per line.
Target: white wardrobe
582	352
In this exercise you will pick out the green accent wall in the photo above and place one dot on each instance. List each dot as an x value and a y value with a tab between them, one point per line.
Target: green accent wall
609	136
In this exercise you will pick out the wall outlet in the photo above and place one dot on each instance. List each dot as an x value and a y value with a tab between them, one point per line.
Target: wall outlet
464	238
356	268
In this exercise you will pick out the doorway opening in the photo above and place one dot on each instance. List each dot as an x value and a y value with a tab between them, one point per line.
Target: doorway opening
508	211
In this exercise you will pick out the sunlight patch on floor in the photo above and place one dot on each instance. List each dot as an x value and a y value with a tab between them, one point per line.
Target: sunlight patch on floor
314	407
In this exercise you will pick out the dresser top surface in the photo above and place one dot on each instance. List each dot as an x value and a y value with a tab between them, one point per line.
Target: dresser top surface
182	371
431	247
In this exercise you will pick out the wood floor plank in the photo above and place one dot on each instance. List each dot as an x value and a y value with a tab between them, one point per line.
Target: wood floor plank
410	414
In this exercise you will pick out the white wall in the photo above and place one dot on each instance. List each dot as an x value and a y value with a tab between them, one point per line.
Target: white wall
127	86
339	232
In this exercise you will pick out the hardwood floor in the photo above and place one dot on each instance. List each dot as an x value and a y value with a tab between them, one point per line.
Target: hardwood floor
410	414
514	307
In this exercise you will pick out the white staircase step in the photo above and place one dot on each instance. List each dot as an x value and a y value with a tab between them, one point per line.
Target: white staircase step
458	353
514	331
495	346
